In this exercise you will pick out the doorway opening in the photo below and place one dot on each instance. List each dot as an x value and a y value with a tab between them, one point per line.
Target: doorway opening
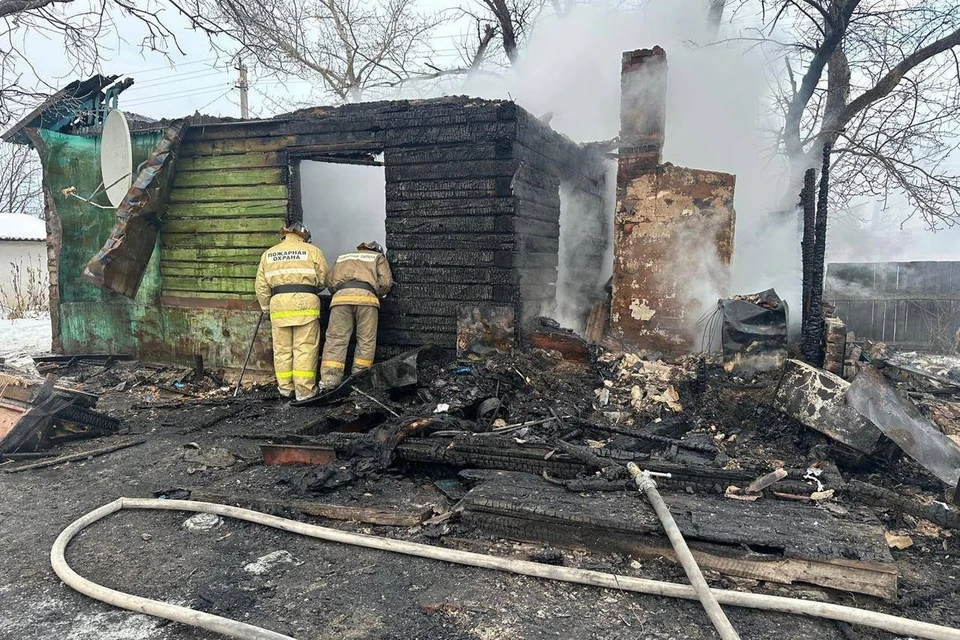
343	204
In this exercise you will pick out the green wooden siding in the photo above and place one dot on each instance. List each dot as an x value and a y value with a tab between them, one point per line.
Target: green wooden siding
224	211
93	318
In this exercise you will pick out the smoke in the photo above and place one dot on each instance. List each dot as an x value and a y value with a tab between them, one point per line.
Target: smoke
586	231
716	106
718	118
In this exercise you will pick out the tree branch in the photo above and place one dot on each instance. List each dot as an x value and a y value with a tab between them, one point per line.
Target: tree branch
889	82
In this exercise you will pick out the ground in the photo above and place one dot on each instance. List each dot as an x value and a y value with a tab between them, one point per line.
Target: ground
322	590
22	338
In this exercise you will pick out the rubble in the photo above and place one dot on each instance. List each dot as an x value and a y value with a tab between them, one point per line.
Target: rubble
903	423
37	415
835	352
753	332
533	446
832	551
815	398
547	334
485	330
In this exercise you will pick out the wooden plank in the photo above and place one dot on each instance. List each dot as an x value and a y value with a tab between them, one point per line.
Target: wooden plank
453	275
208	284
73	457
453	241
449	153
191	148
232	161
841	553
246	208
450	170
217	269
443	258
446	339
362	117
210	295
739	563
223	225
449	292
458	205
228	194
221	240
451	224
209	254
229	177
390	517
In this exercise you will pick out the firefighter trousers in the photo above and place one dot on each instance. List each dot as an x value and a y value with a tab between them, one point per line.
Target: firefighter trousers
295	352
340	328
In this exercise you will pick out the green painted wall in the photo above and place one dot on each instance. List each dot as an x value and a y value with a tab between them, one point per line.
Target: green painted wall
227	205
92	318
207	252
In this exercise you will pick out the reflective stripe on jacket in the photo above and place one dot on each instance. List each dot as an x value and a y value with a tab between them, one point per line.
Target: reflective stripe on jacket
292	261
362	266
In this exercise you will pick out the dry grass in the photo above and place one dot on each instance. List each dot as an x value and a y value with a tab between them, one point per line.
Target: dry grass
27	296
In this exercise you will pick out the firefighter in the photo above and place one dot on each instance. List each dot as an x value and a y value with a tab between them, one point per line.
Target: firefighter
358	280
289	279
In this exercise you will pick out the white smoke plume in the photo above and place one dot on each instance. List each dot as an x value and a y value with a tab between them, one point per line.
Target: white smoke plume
715	119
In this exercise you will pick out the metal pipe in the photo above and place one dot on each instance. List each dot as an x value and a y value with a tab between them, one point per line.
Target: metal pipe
646	484
249	351
892	624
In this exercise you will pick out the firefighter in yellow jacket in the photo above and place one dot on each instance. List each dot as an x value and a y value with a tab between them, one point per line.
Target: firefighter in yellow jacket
290	277
358	280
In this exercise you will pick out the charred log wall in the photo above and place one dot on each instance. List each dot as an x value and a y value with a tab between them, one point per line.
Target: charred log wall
472	208
550	164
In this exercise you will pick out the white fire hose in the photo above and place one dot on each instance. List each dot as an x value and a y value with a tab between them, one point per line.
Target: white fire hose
646	484
232	628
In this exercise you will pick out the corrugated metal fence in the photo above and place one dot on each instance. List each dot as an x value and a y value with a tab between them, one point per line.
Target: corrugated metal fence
903	303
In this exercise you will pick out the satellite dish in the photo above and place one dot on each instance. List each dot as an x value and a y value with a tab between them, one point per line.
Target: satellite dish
116	157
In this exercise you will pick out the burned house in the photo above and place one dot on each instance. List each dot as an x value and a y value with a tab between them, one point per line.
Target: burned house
479	197
472	219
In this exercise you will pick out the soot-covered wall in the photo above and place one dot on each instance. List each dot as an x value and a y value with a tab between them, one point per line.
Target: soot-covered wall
472	208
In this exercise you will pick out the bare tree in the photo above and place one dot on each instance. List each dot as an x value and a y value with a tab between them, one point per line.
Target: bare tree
715	10
513	20
879	81
349	46
76	30
21	189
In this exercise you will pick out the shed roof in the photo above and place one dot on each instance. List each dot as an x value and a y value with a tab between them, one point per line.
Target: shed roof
20	226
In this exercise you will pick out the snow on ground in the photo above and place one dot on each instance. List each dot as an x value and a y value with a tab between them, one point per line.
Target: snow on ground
21	339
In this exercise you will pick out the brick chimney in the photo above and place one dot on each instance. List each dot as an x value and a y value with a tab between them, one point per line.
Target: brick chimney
643	111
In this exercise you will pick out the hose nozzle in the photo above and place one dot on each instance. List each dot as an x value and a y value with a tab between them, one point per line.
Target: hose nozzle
644	478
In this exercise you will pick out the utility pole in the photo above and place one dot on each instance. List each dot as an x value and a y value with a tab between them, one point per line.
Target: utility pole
243	86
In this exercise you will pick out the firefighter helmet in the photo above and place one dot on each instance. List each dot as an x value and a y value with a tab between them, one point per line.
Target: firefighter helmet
298	229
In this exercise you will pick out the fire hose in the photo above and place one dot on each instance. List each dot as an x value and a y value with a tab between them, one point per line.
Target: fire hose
235	629
646	484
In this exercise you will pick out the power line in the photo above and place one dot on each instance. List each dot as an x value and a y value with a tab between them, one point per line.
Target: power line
151	85
184	94
174	65
215	99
